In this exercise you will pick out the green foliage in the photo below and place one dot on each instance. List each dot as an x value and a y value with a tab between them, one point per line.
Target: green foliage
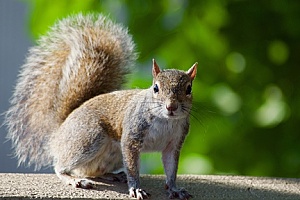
245	118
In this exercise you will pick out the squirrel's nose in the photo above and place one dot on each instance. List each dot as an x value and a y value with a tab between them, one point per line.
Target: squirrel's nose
172	107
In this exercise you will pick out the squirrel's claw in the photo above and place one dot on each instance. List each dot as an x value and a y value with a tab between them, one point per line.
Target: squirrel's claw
180	194
138	193
82	183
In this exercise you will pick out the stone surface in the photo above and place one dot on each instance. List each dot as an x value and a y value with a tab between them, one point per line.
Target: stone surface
48	186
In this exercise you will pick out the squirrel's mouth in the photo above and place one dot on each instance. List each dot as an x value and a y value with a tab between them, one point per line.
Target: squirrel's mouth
174	115
171	113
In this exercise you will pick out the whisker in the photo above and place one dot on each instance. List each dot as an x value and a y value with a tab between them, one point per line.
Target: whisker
189	111
159	105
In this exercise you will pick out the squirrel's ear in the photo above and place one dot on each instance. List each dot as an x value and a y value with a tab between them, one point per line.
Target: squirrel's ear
193	71
155	68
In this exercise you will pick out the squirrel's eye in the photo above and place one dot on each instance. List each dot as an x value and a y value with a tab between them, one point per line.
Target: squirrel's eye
188	90
155	88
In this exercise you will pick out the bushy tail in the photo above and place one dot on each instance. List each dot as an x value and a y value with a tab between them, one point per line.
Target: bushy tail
80	57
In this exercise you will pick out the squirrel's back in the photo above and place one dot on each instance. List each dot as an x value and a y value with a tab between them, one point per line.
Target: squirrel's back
81	56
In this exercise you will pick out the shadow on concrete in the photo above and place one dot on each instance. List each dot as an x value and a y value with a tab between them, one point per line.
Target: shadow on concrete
231	187
216	187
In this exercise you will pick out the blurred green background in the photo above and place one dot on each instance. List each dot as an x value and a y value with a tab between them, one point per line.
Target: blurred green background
246	113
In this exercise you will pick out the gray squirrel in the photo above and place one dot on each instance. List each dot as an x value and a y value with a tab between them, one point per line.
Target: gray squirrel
68	111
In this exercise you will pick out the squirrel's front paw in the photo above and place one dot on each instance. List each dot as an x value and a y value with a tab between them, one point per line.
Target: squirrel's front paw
179	193
138	193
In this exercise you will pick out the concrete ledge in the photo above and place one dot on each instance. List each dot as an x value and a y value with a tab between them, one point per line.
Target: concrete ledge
48	186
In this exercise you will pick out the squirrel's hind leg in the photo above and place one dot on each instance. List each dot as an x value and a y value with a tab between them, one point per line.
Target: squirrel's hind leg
75	182
84	173
81	152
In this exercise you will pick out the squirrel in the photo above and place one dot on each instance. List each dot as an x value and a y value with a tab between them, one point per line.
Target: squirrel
68	109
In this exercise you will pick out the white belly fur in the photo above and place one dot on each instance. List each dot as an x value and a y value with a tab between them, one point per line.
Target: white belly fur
161	133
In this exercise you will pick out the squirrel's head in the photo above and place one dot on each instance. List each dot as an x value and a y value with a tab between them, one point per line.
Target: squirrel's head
172	90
